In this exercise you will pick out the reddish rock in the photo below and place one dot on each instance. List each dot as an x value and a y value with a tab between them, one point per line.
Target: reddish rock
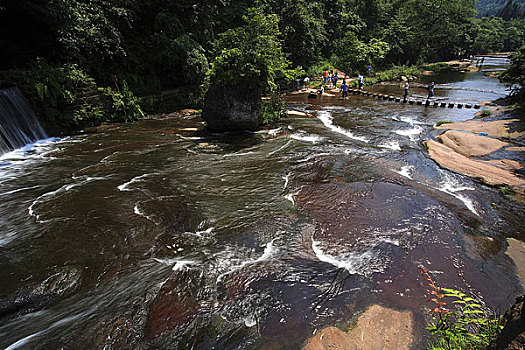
173	307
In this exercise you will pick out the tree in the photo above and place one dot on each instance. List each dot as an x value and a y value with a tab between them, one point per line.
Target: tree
249	62
516	72
250	56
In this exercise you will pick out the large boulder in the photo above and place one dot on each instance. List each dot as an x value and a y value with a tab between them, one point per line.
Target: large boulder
232	108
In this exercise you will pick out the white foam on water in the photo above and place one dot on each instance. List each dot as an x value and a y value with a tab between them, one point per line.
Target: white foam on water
250	321
63	188
409	120
405	171
286	180
125	186
309	158
274	132
201	233
237	154
393	145
411	133
137	211
326	118
361	263
32	150
18	190
289	196
27	339
176	264
280	149
307	138
269	251
451	186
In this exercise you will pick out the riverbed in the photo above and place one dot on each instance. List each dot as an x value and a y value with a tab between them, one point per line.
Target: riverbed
160	234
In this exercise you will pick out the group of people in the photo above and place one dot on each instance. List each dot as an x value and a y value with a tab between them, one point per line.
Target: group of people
430	89
332	78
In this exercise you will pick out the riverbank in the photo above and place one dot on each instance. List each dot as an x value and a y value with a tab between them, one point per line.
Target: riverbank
490	149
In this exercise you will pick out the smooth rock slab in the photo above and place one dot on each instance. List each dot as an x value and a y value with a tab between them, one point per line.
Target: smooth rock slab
377	328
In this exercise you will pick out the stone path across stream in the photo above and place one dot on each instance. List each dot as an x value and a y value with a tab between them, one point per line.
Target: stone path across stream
420	102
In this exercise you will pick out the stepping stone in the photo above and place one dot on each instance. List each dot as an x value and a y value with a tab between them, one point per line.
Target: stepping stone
460	105
398	99
477	106
451	105
411	102
443	104
419	102
391	98
468	106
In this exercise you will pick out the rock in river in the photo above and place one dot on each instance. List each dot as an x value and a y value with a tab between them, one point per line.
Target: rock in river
230	108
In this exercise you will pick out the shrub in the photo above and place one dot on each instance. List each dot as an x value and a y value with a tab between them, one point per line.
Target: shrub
469	326
272	109
441	122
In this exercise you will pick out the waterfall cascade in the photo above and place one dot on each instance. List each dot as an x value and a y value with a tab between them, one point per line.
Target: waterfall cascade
18	122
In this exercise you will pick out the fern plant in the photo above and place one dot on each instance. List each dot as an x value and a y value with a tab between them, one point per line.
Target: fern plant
469	325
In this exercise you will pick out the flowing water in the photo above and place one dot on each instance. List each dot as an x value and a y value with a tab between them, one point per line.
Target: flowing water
158	234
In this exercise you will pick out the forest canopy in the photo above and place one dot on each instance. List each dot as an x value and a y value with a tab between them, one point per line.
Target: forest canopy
159	45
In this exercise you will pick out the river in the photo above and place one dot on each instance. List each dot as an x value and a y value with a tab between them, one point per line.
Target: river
159	234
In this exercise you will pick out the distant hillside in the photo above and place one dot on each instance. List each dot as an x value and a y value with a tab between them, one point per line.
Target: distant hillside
492	7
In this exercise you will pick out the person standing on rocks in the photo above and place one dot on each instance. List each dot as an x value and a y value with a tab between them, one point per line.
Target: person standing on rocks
430	90
360	81
325	76
407	86
306	83
344	89
335	79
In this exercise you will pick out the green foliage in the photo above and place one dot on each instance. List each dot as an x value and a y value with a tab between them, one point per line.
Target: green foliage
272	109
505	190
441	122
516	73
353	56
485	113
70	98
125	105
469	326
393	73
251	56
317	69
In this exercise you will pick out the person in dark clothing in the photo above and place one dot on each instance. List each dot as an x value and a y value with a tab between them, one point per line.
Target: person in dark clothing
405	97
430	90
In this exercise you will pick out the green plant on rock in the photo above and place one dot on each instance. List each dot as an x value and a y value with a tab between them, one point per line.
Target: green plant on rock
125	107
485	113
469	325
272	109
441	122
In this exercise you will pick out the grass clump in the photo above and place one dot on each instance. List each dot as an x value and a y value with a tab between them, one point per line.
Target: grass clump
441	122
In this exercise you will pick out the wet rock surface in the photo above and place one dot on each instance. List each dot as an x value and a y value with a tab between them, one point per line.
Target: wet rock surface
229	108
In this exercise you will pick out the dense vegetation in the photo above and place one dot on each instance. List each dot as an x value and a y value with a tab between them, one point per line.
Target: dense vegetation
162	50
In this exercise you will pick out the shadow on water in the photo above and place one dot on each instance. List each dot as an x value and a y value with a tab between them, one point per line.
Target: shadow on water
159	234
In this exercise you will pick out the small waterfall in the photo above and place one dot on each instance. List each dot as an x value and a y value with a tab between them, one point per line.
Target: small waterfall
18	123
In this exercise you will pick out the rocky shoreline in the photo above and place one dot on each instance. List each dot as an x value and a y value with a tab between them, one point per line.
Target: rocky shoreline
490	149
